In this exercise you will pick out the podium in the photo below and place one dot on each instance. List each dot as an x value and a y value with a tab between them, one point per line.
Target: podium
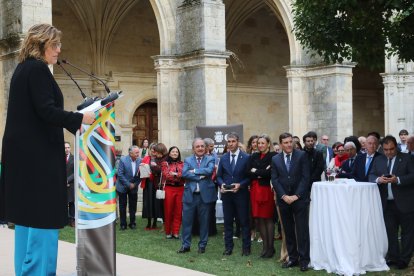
95	192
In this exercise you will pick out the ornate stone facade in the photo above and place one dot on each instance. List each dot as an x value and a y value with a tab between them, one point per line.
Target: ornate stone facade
208	62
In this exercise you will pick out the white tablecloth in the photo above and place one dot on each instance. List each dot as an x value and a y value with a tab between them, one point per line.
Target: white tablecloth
347	230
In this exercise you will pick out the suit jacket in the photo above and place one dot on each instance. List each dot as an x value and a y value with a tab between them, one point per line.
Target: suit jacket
346	168
263	171
404	169
294	182
35	106
239	175
70	169
358	170
125	176
202	176
316	164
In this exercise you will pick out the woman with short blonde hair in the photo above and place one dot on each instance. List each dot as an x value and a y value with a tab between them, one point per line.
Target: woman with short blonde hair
36	200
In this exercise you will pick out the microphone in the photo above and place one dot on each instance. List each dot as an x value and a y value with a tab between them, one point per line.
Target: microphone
86	101
89	74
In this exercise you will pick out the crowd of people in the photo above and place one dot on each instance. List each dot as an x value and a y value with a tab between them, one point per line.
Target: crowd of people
263	185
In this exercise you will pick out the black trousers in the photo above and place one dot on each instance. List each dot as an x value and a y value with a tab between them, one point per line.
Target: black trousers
131	198
71	213
394	219
295	220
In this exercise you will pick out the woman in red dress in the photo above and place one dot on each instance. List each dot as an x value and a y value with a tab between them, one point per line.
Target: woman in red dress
261	194
172	170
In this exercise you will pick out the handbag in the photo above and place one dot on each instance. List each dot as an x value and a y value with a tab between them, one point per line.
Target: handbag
160	193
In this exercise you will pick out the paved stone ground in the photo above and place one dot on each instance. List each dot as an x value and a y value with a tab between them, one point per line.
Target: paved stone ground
126	265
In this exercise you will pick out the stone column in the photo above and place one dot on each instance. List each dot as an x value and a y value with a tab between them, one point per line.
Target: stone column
201	53
126	136
398	97
320	99
17	17
167	97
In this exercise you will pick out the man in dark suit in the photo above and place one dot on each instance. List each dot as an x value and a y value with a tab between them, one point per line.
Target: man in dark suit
233	181
394	174
127	186
315	157
348	165
199	194
290	179
363	162
402	145
70	184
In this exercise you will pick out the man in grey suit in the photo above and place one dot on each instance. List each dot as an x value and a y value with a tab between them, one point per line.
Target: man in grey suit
394	174
290	179
127	186
199	194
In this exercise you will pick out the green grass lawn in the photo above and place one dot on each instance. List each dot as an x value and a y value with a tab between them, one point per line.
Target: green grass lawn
152	245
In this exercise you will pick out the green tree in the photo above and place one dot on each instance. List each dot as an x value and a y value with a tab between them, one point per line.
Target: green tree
363	31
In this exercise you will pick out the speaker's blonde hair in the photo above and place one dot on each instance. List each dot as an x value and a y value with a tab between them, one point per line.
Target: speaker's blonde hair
39	37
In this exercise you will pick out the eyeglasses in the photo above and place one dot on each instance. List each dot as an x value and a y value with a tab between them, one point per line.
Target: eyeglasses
340	150
57	45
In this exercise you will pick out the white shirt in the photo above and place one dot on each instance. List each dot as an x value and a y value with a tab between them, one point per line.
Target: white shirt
133	166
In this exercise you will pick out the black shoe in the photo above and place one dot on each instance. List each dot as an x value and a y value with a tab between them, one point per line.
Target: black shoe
175	237
183	250
201	250
304	267
227	252
123	227
246	252
402	265
289	264
133	226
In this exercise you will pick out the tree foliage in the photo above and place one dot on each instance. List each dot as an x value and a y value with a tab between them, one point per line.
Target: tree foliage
363	31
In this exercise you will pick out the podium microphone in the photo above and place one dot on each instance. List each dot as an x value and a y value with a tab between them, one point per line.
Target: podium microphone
89	74
86	101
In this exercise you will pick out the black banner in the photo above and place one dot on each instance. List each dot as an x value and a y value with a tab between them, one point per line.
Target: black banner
218	134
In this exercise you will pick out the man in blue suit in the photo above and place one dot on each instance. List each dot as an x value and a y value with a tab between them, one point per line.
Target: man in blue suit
199	194
290	179
233	179
127	186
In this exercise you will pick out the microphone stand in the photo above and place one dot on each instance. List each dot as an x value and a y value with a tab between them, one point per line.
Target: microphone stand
112	96
86	101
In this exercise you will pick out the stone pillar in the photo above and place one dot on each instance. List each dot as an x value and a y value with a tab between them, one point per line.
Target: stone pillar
126	136
398	97
16	17
167	97
201	53
320	99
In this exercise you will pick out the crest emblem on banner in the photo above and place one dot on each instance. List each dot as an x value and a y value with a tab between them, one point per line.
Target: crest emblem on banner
218	136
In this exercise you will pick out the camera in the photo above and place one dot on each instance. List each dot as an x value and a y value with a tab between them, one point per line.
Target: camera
228	186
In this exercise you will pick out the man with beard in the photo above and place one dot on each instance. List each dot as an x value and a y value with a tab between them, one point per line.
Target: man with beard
314	156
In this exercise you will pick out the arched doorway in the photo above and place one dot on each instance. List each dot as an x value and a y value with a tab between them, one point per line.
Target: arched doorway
146	120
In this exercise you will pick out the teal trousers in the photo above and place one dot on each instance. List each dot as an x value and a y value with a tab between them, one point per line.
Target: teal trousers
35	251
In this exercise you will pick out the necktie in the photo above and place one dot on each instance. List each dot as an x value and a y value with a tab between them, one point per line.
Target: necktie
389	165
233	162
198	161
288	162
67	158
367	164
351	162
